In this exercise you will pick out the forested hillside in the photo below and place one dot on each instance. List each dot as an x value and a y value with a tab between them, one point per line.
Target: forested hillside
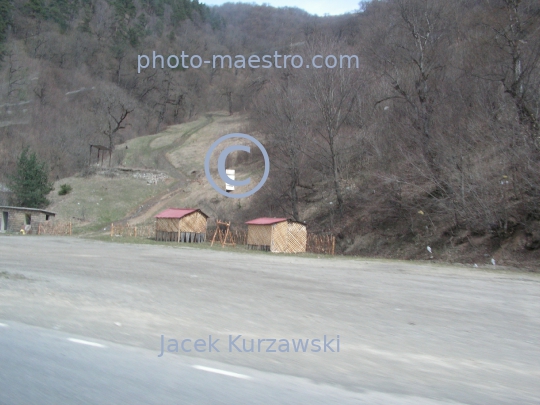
69	69
433	140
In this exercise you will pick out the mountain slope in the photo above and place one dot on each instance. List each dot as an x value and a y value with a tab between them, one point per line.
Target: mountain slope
154	172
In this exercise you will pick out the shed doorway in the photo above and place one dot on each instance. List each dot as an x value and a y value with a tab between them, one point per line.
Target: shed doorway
4	221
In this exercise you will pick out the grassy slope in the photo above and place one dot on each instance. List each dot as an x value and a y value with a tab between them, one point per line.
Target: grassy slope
179	151
96	201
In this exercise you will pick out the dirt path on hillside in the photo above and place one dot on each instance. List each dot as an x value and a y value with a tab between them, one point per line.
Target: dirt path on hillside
145	211
150	206
183	138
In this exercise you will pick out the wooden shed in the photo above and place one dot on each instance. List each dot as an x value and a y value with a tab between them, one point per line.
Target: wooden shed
278	235
13	219
181	225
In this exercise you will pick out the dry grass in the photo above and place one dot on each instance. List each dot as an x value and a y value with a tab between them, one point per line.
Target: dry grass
99	200
149	151
189	156
172	134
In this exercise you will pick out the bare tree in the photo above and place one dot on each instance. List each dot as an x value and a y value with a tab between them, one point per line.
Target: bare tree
413	60
280	112
111	111
513	40
117	114
334	94
16	75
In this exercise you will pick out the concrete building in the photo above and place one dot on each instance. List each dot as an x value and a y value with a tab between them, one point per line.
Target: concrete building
13	219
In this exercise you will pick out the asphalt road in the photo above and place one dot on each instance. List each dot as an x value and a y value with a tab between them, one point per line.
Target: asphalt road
81	322
40	366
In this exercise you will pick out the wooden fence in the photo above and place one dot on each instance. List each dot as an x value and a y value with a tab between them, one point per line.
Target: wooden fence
323	244
139	231
54	228
316	243
238	236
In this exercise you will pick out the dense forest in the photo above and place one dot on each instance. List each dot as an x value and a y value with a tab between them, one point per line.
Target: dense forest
434	137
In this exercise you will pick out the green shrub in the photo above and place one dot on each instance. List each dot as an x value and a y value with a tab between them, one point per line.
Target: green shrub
65	189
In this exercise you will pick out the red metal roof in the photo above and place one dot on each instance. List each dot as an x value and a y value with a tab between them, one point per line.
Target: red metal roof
265	221
176	212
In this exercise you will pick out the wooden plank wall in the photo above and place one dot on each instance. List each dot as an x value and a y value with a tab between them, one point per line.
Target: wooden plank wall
194	222
259	235
296	238
279	237
192	228
167	225
283	237
289	237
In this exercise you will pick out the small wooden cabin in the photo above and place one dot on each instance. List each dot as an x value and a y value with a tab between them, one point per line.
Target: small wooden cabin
278	235
181	225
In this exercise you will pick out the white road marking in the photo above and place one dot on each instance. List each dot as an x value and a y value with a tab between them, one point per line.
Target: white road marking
3	325
86	342
223	372
84	255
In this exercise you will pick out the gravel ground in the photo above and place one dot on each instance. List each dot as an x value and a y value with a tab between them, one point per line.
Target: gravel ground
446	333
